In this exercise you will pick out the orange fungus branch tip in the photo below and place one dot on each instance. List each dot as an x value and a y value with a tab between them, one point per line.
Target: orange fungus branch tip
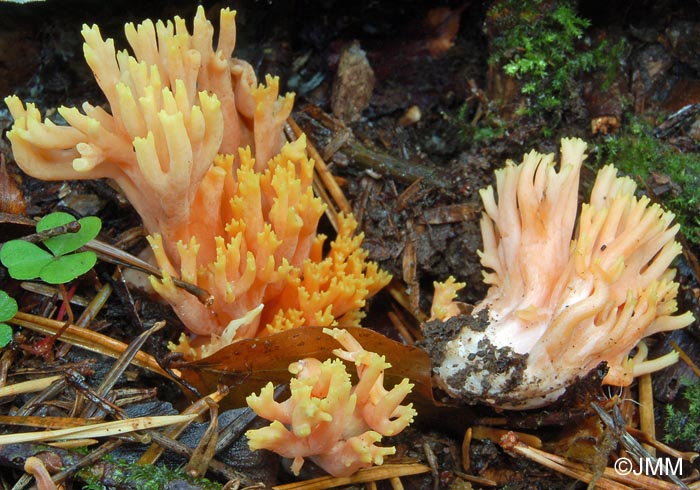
563	296
197	146
326	418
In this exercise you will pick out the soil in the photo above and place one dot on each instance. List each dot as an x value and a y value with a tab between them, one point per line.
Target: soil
392	103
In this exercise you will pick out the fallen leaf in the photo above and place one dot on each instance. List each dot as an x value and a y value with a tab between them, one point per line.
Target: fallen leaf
11	197
249	364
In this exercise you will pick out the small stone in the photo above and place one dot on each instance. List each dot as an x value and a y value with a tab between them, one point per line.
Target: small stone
353	85
411	116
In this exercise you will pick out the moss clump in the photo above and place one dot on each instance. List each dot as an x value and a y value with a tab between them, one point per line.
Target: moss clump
148	477
685	426
638	153
481	132
542	44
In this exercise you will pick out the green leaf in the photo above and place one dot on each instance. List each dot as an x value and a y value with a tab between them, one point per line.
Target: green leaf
8	306
66	268
53	220
5	334
24	260
62	244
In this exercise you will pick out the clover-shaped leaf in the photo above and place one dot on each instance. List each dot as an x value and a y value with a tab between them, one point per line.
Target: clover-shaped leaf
8	306
5	334
8	309
67	267
68	242
25	260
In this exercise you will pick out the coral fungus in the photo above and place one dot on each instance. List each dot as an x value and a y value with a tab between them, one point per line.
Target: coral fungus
269	254
174	106
196	145
327	419
557	307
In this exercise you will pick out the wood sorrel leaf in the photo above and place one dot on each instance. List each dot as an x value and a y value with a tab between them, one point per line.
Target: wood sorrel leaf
68	242
60	270
24	260
8	306
5	334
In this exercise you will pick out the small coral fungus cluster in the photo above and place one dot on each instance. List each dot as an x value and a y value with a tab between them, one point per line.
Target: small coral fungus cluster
329	420
561	301
197	147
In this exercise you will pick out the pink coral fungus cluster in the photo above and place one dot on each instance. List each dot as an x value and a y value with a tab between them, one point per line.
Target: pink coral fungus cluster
196	145
174	105
563	297
329	420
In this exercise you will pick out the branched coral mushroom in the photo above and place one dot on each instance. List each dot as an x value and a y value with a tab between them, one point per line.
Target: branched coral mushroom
327	419
557	307
174	106
197	147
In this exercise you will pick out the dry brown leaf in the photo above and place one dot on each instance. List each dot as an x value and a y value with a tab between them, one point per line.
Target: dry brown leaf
11	197
249	364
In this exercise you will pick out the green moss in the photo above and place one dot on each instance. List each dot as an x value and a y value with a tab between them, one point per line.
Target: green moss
685	426
483	132
542	44
147	477
636	152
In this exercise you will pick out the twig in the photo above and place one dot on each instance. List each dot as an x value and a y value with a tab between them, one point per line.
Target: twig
31	386
685	358
375	473
118	367
634	448
644	437
113	255
87	339
154	452
385	164
72	227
